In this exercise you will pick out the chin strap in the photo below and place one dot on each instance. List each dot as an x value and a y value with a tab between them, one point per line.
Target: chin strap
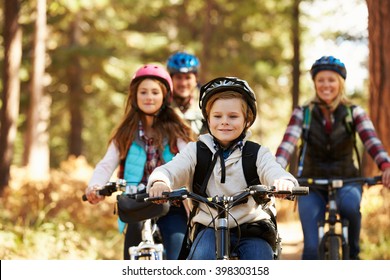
220	154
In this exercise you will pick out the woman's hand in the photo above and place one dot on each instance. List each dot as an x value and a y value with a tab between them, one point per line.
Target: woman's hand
91	192
386	178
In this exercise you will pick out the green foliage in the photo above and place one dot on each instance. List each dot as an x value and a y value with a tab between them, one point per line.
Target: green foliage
249	39
375	236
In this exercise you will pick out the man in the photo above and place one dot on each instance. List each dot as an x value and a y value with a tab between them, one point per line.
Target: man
183	68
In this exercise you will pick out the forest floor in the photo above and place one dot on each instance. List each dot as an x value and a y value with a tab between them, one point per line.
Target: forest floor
50	221
292	240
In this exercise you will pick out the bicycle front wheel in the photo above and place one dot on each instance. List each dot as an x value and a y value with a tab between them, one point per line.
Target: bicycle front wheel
334	248
329	248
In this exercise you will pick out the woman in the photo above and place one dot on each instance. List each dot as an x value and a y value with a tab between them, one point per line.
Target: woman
328	151
149	134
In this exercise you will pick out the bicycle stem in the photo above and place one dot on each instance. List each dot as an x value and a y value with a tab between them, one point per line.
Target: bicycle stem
222	234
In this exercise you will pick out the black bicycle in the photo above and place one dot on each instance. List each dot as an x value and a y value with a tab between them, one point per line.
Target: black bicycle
223	204
332	230
131	210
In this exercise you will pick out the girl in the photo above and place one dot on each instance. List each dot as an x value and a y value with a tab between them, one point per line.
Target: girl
229	106
149	135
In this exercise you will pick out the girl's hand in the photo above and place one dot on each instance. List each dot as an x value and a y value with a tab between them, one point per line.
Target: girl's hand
91	192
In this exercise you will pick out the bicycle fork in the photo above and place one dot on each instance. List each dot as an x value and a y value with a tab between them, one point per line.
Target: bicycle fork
331	221
147	249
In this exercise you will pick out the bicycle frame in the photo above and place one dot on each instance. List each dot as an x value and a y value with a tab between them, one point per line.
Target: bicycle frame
333	230
223	204
333	244
222	244
222	232
147	249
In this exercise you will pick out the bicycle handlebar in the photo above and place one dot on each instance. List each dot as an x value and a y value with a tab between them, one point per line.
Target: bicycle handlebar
109	189
370	181
258	191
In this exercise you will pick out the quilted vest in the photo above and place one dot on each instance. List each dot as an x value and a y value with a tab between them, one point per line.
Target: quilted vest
329	155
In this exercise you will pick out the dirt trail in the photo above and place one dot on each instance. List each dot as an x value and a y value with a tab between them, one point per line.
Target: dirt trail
292	240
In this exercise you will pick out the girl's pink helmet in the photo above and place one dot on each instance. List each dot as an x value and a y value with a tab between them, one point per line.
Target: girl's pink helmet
158	72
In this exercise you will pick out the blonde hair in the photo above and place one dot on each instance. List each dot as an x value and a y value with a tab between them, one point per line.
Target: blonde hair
167	124
340	98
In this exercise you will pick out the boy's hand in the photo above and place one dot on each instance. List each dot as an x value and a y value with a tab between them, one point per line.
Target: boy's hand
283	185
158	187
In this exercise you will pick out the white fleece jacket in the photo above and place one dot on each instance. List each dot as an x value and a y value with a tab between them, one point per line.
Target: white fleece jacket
179	172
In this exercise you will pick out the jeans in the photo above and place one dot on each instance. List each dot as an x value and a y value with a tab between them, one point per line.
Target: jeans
132	238
312	209
203	247
172	227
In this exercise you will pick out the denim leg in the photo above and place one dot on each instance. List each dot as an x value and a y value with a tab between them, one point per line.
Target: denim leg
203	247
311	210
348	202
173	227
252	248
132	238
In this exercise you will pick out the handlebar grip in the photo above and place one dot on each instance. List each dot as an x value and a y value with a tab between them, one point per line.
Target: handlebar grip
300	190
103	192
375	180
141	197
151	199
261	188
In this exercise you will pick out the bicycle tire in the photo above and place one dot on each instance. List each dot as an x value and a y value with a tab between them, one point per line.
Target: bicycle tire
334	248
322	247
329	247
345	249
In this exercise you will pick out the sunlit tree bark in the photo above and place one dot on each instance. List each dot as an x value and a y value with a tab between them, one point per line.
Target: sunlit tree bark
36	155
379	72
11	88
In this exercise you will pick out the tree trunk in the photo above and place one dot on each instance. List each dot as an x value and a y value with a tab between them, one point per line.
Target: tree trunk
379	73
36	155
75	90
11	88
206	36
296	72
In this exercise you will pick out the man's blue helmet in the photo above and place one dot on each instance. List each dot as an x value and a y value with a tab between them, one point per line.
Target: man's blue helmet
328	63
182	62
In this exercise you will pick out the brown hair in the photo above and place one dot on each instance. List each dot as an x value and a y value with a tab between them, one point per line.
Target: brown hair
167	124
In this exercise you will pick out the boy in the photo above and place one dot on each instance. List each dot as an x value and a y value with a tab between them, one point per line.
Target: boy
228	105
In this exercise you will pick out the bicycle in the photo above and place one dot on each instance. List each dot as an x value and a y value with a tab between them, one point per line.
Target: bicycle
260	193
148	248
332	230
